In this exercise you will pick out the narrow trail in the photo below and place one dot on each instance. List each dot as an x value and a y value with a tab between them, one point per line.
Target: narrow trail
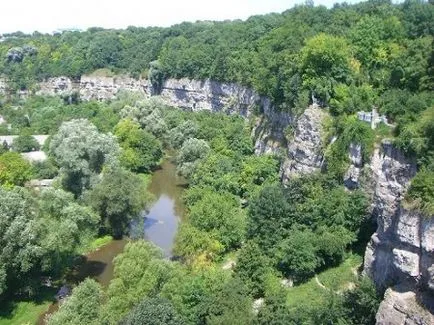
319	283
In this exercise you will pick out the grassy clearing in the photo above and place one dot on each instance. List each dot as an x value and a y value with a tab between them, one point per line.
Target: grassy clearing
26	312
99	242
336	278
94	244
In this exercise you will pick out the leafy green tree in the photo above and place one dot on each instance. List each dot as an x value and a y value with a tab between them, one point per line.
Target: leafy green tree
219	215
63	226
156	76
153	311
192	151
332	243
325	59
149	114
14	170
195	246
421	191
4	147
230	305
82	307
362	302
256	171
276	311
141	150
119	198
139	272
271	215
351	99
298	254
252	267
192	293
21	251
417	139
45	169
219	172
181	133
82	152
25	143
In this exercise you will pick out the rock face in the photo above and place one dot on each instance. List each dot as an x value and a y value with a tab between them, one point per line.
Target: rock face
231	98
304	151
351	177
55	86
401	251
403	306
106	88
187	94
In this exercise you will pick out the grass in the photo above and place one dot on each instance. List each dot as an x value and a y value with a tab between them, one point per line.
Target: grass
99	242
26	312
337	278
305	295
95	244
104	72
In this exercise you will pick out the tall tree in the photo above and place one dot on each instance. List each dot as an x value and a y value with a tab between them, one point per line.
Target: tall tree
82	152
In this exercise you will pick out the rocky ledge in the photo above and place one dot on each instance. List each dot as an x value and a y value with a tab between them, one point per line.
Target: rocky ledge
305	154
195	95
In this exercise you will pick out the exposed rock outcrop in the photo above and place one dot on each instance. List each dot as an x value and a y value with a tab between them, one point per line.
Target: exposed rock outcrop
401	251
351	177
404	306
305	150
56	86
188	94
106	88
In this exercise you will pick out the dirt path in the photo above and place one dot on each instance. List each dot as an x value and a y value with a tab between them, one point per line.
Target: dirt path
319	283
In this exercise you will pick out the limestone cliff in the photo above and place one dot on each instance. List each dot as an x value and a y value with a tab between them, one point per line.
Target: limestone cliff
401	251
305	154
194	95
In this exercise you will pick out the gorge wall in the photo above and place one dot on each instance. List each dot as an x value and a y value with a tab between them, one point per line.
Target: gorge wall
188	94
400	254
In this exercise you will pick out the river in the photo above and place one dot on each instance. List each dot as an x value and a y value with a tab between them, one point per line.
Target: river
160	226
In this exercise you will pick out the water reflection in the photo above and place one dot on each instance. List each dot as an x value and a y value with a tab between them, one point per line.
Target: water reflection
161	222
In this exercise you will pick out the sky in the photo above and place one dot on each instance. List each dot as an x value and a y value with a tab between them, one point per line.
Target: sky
47	16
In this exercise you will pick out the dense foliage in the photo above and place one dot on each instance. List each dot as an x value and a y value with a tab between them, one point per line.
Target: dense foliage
244	235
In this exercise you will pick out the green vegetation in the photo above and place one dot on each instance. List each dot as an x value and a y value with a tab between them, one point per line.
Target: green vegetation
14	170
83	307
153	311
421	192
118	198
26	311
25	143
348	58
99	242
141	150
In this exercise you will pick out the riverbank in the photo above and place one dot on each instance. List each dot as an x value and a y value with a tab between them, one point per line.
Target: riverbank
33	311
160	226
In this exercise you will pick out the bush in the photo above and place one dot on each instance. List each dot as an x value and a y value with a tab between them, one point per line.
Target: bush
421	191
45	169
14	170
25	143
153	311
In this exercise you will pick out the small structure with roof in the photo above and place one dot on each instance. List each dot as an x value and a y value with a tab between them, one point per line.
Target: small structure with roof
372	117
